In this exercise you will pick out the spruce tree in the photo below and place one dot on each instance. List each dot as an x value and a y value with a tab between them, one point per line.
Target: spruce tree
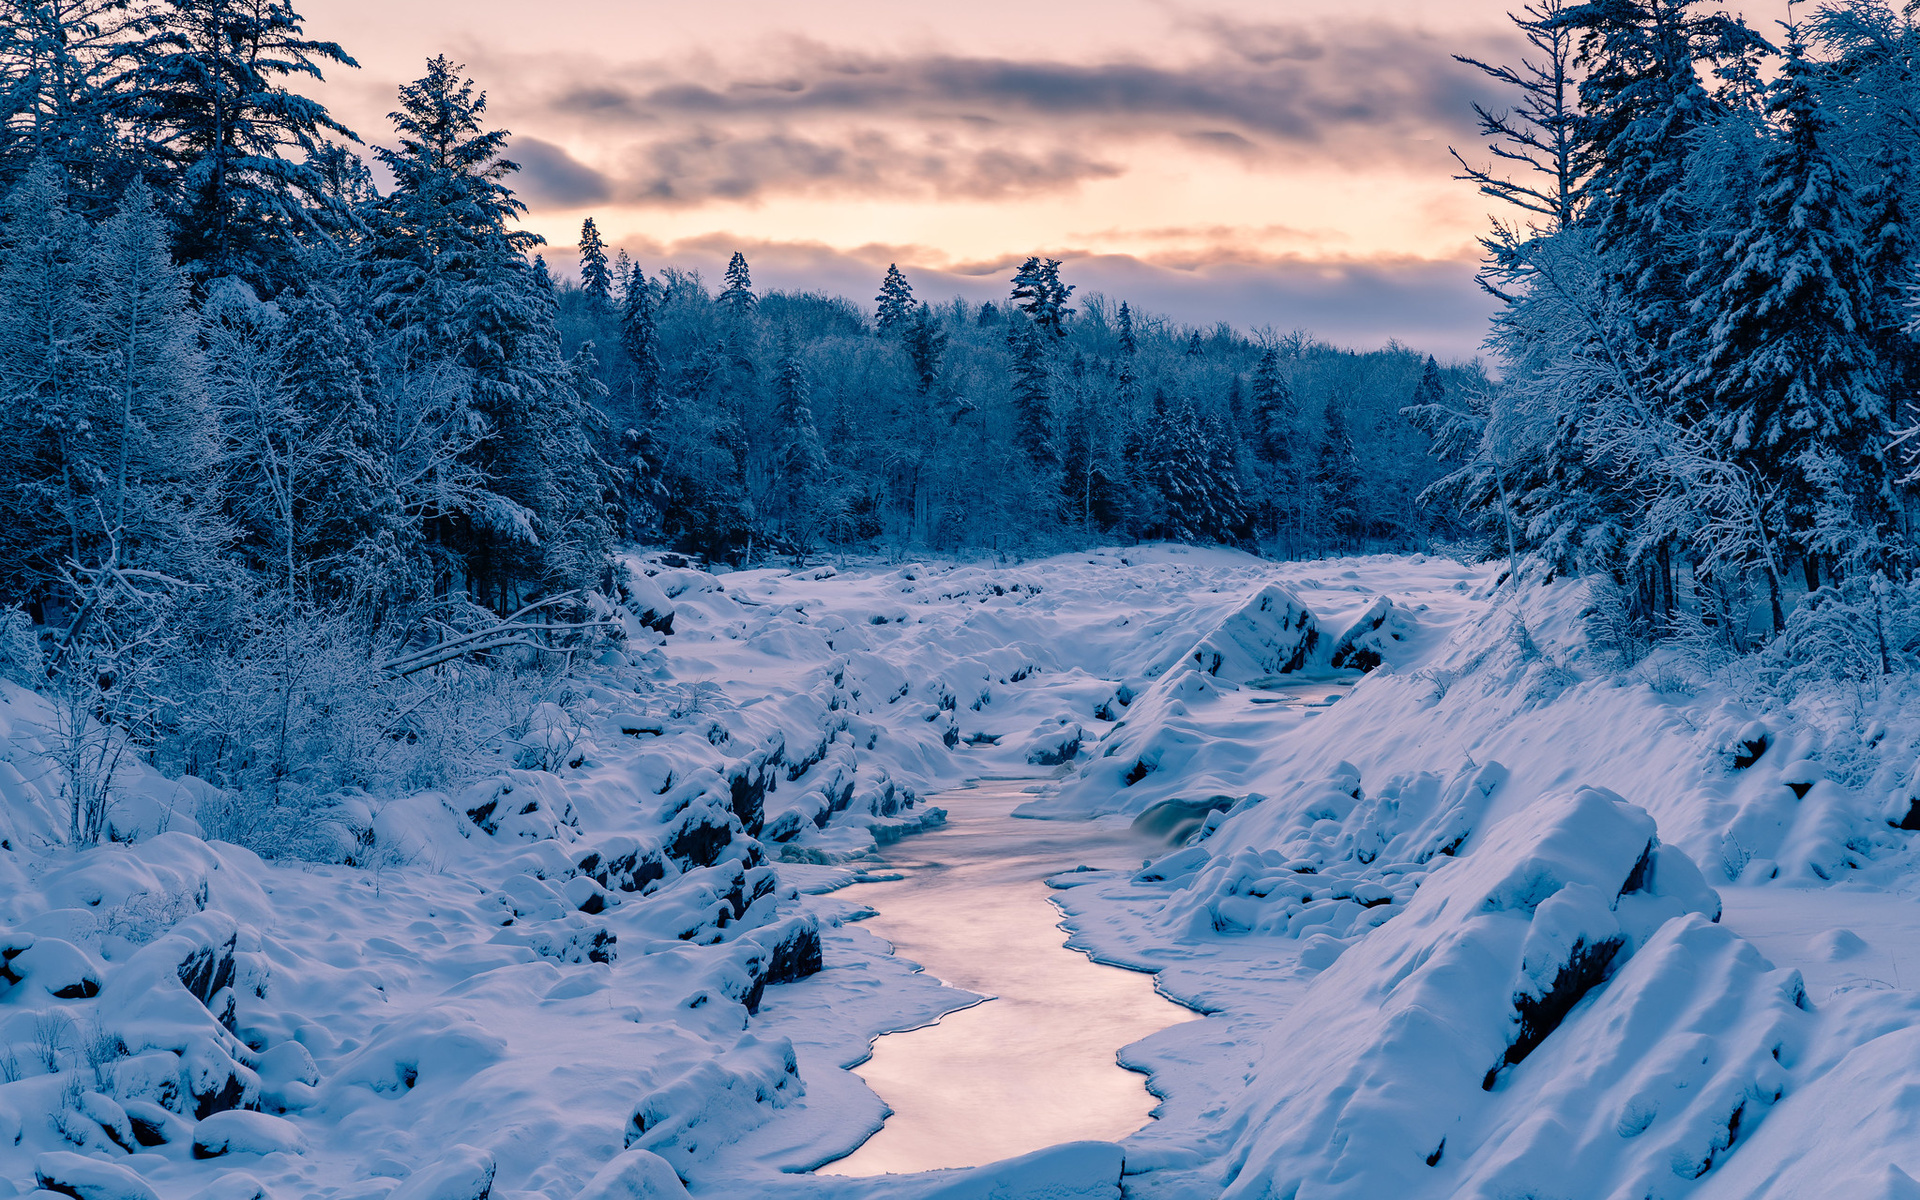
1033	399
1786	356
1337	481
240	146
1128	346
1040	294
926	344
738	295
799	464
63	99
46	386
644	440
596	277
1194	348
895	300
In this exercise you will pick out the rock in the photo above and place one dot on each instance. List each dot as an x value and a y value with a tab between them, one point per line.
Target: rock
634	1175
1052	745
1174	821
462	1173
62	969
86	1178
153	1125
236	1185
240	1132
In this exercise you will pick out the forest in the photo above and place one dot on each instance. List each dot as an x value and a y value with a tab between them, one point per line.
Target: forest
270	433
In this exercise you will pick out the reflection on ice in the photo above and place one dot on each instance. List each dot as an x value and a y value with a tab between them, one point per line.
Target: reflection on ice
1034	1065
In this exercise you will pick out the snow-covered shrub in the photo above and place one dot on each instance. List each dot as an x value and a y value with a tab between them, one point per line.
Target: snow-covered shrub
1862	629
20	659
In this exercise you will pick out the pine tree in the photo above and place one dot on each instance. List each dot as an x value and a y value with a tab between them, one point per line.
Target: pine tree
644	443
46	428
926	344
1033	399
454	286
1128	346
213	100
1337	481
1786	357
799	464
1194	348
63	67
596	278
1040	294
895	300
738	295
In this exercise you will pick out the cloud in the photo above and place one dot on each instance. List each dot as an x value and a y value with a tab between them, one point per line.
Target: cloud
806	117
1432	305
713	163
551	176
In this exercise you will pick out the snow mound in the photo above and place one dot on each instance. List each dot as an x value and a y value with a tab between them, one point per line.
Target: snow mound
1450	1052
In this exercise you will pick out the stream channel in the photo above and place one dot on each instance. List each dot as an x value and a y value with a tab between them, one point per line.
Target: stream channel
1033	1065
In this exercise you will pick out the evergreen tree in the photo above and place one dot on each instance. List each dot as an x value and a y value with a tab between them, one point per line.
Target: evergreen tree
895	300
64	95
1128	346
926	344
799	464
1033	399
1194	348
644	442
1274	422
596	277
47	472
1786	355
1337	481
240	146
1040	294
454	286
738	295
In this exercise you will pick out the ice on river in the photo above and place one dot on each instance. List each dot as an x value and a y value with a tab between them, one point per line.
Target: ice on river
1034	1063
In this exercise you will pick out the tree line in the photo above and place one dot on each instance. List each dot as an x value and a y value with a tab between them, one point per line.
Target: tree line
270	433
1705	349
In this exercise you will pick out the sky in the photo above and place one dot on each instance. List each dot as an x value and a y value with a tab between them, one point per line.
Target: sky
1276	164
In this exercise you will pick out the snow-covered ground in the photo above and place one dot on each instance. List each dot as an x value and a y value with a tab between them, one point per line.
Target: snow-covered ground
1490	919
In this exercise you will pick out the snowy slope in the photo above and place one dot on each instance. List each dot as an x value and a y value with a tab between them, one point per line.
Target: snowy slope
1490	903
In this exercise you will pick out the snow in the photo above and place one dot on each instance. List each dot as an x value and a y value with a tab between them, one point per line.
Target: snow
1471	911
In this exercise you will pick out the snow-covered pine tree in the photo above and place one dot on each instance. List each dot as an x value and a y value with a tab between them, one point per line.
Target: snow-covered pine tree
213	101
926	343
643	442
738	294
1033	414
895	301
1194	348
1337	479
1038	292
622	274
1785	355
1124	323
46	404
62	100
1274	423
596	276
465	305
799	466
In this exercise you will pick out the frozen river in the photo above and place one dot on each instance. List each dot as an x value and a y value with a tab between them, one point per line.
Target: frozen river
1033	1065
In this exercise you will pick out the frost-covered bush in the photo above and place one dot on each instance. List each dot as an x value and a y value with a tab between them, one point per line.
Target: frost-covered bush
299	707
20	658
1866	627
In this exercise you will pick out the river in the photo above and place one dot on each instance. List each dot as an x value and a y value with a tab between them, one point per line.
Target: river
1034	1064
